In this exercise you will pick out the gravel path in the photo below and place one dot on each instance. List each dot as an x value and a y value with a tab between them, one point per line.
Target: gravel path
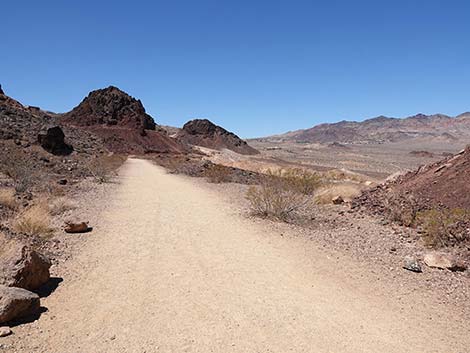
172	268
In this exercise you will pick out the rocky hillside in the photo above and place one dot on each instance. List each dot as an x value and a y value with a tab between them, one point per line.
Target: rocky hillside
384	129
204	133
122	122
22	125
112	107
444	184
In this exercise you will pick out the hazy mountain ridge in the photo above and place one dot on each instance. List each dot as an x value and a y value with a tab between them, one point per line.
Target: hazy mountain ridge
384	129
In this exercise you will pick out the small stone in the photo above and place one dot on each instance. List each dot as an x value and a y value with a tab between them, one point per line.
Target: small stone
338	200
62	182
77	227
5	331
412	264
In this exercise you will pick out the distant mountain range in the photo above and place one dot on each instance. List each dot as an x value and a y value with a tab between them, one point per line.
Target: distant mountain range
384	129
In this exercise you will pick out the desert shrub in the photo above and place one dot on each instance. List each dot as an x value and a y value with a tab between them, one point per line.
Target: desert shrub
301	181
348	191
402	209
183	165
281	194
17	167
343	175
60	205
444	227
217	174
103	168
35	220
8	199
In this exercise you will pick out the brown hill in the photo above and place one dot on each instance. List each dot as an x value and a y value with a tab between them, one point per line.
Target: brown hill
204	133
122	122
384	129
112	107
444	184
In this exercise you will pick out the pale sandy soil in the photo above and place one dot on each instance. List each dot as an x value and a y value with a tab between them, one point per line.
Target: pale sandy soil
173	267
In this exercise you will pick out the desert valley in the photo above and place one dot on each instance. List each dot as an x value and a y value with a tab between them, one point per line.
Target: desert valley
119	234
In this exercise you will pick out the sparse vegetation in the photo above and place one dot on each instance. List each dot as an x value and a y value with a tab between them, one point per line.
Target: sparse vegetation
103	168
402	209
444	227
328	192
35	220
217	174
15	166
282	194
60	205
7	198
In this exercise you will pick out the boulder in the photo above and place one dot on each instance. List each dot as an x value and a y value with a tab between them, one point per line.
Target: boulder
443	261
23	267
53	141
16	303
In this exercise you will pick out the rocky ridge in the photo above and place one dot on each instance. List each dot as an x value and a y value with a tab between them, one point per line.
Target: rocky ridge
204	133
384	129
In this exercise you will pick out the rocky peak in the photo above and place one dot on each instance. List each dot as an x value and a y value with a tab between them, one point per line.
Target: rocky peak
202	132
113	107
203	127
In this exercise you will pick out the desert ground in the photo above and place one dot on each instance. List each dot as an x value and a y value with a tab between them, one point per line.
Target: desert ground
175	265
120	235
377	161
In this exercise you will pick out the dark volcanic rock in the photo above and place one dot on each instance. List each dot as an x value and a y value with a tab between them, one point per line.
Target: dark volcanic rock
202	132
112	107
1	90
53	141
121	121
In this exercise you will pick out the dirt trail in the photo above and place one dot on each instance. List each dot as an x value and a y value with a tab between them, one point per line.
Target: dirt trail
172	269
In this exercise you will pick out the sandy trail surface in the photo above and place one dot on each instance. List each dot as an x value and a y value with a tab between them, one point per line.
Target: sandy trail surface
171	267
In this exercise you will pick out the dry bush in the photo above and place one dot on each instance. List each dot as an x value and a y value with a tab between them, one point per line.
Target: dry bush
347	191
301	181
17	167
402	209
343	175
35	220
103	168
8	199
60	205
444	227
183	165
281	194
217	174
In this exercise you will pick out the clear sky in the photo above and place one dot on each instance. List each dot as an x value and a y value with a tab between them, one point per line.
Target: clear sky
255	67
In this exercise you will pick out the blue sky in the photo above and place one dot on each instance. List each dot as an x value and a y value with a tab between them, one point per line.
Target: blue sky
255	67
